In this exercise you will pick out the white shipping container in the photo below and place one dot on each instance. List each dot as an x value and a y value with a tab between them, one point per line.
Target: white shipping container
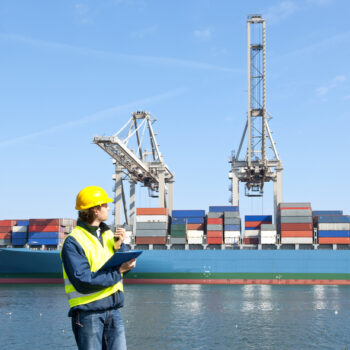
19	228
198	240
232	234
151	218
296	240
343	226
268	233
195	233
251	233
268	240
231	240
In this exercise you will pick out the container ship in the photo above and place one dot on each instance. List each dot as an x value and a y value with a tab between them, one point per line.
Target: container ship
198	247
300	246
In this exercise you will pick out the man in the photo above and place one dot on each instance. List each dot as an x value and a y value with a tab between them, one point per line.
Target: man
95	297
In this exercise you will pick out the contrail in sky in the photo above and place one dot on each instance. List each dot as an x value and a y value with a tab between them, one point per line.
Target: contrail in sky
103	114
105	54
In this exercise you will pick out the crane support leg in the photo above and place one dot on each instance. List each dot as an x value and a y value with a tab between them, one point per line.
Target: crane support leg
170	196
235	189
118	196
161	199
277	191
132	204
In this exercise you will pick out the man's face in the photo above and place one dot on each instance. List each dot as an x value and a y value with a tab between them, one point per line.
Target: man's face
102	212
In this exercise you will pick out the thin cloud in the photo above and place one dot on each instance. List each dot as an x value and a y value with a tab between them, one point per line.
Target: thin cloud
334	83
281	11
204	34
82	13
140	34
104	114
110	55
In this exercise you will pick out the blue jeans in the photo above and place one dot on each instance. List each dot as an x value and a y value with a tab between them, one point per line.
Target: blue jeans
95	330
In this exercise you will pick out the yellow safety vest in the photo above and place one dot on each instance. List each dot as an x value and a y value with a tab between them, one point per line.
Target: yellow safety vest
96	255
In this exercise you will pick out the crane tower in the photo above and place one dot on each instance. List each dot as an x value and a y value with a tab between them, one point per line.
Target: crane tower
256	167
137	165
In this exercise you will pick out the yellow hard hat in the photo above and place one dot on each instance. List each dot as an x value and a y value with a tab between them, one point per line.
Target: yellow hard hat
91	196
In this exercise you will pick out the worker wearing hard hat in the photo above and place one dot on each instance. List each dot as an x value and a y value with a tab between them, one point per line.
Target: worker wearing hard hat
95	297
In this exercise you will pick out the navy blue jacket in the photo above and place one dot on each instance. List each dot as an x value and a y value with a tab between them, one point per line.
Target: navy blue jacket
84	281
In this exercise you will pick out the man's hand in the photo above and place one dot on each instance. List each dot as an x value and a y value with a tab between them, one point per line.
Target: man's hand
127	266
119	237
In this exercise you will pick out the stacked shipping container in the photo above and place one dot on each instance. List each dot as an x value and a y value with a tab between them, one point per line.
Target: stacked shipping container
20	233
295	220
187	226
151	226
268	234
6	231
332	226
252	226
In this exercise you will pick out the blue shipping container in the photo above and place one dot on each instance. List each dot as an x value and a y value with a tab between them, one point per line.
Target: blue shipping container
43	235
179	221
188	213
333	233
232	227
216	209
44	241
265	218
19	241
327	212
332	218
22	223
19	235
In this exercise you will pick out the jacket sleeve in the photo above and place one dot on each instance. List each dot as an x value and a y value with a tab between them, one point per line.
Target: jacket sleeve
78	270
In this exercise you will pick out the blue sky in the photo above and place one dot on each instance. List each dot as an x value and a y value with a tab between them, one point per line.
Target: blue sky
71	70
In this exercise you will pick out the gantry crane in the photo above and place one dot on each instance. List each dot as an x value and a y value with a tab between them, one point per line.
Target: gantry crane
256	168
133	165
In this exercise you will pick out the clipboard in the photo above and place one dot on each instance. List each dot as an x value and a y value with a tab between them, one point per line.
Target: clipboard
119	258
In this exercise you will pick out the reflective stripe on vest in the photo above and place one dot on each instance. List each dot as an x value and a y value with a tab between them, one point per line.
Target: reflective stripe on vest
96	255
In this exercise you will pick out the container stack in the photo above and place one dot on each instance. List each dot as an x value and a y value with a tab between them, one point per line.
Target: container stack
252	226
128	234
48	232
332	226
68	225
151	226
268	234
187	225
20	233
232	225
6	231
215	225
295	220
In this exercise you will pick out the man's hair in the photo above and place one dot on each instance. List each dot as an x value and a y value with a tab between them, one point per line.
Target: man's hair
87	215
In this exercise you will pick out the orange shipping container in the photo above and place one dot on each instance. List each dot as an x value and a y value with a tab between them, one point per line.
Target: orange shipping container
44	222
296	234
214	234
256	223
195	227
334	240
214	221
41	228
7	222
214	240
150	240
296	227
5	229
151	211
5	235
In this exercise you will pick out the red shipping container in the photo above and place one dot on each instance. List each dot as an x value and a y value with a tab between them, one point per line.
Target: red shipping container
150	240
214	240
250	240
214	221
7	223
5	229
41	228
296	227
5	235
151	211
44	222
214	234
334	240
195	227
296	233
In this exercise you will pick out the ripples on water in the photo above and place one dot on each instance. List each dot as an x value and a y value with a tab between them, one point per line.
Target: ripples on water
169	317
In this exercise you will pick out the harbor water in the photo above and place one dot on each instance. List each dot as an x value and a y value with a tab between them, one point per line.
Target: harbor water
170	317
